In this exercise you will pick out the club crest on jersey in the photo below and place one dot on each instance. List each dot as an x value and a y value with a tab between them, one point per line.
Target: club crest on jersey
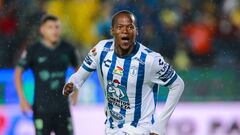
116	94
118	70
133	71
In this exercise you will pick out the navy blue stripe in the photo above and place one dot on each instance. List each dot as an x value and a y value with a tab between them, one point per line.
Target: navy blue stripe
172	80
152	119
112	66
155	91
103	55
111	122
110	78
138	97
87	68
124	81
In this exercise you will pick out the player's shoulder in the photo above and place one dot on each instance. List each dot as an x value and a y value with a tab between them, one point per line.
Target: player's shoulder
66	45
150	53
33	47
103	45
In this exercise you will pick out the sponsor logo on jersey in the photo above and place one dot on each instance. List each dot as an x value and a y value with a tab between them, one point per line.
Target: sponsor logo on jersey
160	62
139	60
107	63
163	69
44	75
116	116
165	73
116	94
88	60
107	49
118	70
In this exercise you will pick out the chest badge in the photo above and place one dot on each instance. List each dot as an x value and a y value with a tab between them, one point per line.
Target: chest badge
133	71
118	70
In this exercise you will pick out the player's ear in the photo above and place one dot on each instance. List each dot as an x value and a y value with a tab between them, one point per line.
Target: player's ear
41	30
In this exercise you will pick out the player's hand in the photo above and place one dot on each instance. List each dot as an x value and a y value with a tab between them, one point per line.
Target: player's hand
153	134
25	106
68	89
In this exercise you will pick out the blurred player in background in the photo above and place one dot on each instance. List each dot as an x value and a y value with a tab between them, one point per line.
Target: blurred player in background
49	59
129	74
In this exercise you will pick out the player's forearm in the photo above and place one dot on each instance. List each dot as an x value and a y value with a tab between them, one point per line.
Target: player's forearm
18	83
175	92
79	77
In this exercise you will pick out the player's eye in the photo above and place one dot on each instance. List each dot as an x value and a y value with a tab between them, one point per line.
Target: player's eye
119	27
130	27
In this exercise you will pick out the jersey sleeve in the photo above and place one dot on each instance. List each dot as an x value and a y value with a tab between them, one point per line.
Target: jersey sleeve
161	72
88	66
90	61
25	60
79	77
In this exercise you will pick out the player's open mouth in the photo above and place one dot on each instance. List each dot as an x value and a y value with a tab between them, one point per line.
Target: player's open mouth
125	39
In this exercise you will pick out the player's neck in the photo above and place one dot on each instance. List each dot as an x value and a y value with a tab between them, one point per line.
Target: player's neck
123	52
49	44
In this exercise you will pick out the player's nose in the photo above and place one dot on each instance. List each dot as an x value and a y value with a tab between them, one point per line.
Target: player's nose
124	30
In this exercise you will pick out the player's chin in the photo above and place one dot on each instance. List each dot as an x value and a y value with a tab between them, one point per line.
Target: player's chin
125	46
54	39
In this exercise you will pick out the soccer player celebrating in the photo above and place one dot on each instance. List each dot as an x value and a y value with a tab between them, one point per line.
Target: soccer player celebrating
129	74
49	59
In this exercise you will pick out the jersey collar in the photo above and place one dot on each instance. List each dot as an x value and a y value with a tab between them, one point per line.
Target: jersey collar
47	47
134	51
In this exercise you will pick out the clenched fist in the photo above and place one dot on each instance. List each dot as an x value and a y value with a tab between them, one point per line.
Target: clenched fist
68	89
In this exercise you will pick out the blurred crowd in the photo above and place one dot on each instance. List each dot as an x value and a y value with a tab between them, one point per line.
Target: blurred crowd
188	33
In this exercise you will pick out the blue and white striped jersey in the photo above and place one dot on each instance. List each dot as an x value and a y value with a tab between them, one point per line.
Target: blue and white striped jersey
130	83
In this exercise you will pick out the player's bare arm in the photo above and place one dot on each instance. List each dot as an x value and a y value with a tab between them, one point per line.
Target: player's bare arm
24	105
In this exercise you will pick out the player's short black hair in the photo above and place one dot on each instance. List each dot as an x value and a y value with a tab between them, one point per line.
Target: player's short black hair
123	12
48	17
